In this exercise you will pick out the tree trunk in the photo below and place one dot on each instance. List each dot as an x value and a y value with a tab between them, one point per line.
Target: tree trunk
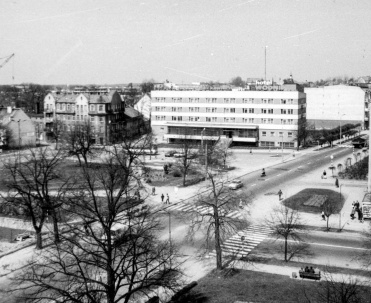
55	226
328	217
184	177
39	240
218	249
285	249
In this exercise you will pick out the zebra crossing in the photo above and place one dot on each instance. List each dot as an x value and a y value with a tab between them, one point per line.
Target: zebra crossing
242	243
202	209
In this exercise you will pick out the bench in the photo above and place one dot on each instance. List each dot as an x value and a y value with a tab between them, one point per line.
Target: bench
309	275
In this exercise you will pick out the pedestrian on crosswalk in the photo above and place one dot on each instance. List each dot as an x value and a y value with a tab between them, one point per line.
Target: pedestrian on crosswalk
162	198
167	199
279	195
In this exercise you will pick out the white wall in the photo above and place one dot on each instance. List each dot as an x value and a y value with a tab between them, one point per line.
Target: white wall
331	102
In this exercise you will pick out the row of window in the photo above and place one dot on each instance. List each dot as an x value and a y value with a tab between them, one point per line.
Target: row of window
227	110
79	108
227	100
228	120
272	144
93	119
273	134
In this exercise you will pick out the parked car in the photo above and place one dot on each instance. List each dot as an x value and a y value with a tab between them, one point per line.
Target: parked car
170	153
179	155
22	237
235	184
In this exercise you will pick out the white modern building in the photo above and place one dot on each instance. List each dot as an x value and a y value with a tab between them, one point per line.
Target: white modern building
330	106
268	116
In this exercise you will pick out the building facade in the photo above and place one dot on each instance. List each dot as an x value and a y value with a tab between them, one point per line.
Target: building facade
105	114
21	129
330	106
268	116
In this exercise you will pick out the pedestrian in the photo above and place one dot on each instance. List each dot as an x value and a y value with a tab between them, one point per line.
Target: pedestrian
356	205
360	215
324	174
279	195
323	216
352	213
167	199
250	151
241	204
153	191
162	198
337	182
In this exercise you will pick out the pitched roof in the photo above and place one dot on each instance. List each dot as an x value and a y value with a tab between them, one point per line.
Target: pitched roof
131	112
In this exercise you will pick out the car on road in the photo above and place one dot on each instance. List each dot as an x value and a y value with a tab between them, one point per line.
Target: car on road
235	184
22	237
179	155
170	153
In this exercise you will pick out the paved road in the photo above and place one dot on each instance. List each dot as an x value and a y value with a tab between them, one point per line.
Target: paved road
288	171
326	248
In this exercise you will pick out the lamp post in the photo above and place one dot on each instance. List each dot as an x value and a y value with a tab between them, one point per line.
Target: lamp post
340	127
340	210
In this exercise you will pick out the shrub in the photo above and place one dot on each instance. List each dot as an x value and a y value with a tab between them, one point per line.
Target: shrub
176	173
194	181
358	171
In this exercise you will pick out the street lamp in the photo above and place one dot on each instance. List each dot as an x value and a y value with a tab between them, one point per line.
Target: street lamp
340	127
340	210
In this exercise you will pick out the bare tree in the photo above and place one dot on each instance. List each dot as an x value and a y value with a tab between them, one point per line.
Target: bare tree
329	208
212	214
79	140
112	253
30	180
223	152
345	290
285	224
59	128
189	149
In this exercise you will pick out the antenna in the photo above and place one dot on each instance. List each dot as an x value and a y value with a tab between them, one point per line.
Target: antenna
265	63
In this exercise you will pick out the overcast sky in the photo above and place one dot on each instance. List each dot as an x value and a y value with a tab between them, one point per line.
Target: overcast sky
121	41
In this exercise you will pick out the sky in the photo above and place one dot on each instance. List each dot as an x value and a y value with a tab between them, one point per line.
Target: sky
183	41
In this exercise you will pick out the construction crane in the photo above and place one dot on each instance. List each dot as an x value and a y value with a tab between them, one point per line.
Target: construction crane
6	59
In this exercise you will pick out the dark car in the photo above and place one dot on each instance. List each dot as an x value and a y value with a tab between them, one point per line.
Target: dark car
170	153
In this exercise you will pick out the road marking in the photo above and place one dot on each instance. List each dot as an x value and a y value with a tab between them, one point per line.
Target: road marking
299	166
253	184
278	175
266	179
309	162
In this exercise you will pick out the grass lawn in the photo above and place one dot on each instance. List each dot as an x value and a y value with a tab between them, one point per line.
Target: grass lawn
251	286
297	201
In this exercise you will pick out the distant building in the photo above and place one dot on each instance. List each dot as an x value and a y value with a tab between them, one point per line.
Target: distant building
268	116
144	106
20	126
107	115
328	106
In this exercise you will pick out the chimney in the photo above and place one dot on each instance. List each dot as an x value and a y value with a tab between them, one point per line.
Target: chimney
9	110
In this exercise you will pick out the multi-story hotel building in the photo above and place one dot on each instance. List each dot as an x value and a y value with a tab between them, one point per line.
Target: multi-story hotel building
266	116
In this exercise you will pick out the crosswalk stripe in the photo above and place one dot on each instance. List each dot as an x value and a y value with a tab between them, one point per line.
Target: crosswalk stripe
252	237
202	209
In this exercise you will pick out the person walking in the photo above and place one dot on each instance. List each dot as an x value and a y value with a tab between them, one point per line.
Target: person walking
162	198
279	195
324	175
323	216
337	182
241	204
153	191
167	199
